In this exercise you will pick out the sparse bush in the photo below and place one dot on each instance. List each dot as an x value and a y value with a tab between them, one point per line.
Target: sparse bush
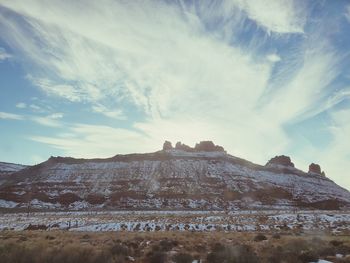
336	243
232	254
119	249
260	237
276	236
157	257
183	258
167	245
308	256
342	249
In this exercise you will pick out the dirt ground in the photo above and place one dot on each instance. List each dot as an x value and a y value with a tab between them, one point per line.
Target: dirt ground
178	247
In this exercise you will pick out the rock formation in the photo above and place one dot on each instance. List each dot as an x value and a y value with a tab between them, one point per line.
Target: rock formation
281	160
316	169
208	146
167	146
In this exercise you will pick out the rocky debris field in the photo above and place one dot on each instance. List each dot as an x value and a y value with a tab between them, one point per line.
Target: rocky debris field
178	221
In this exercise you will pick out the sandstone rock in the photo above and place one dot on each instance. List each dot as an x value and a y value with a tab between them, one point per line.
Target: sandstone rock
167	146
315	168
281	160
208	146
183	147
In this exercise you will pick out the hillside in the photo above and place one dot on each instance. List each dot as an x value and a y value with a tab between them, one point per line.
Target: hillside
9	168
181	177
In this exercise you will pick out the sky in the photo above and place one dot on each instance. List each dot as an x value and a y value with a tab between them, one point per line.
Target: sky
99	78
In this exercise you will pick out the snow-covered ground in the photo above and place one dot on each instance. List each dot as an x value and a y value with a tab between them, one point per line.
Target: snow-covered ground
328	221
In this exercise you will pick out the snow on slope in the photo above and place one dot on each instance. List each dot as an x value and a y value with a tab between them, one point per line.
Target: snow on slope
6	168
169	179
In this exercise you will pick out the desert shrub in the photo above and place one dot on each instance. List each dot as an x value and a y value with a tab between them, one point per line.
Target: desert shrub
308	256
41	254
276	255
295	246
342	249
157	257
119	249
324	251
85	236
167	245
49	237
232	254
200	248
336	243
294	251
183	258
276	236
260	237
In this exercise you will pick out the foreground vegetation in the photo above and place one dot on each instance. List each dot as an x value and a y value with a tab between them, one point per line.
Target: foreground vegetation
178	247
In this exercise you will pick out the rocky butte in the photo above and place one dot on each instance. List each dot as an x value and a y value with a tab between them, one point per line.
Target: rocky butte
182	177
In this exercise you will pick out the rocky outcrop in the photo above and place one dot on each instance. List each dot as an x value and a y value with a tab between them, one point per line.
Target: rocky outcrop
315	169
281	160
167	146
183	147
208	146
203	146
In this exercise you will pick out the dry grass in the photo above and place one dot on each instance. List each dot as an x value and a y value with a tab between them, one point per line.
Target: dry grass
179	247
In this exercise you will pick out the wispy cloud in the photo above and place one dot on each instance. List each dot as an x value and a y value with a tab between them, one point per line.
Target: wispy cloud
51	120
10	116
3	54
281	16
21	105
347	13
62	90
273	57
115	114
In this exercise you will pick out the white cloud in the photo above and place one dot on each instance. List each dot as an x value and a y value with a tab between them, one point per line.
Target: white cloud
4	55
115	114
273	57
281	16
65	91
335	159
21	105
10	116
300	97
36	108
347	14
49	120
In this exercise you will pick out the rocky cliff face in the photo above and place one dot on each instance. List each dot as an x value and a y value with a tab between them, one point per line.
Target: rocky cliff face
203	177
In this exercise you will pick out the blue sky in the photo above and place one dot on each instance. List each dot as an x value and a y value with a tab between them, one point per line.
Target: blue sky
97	78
